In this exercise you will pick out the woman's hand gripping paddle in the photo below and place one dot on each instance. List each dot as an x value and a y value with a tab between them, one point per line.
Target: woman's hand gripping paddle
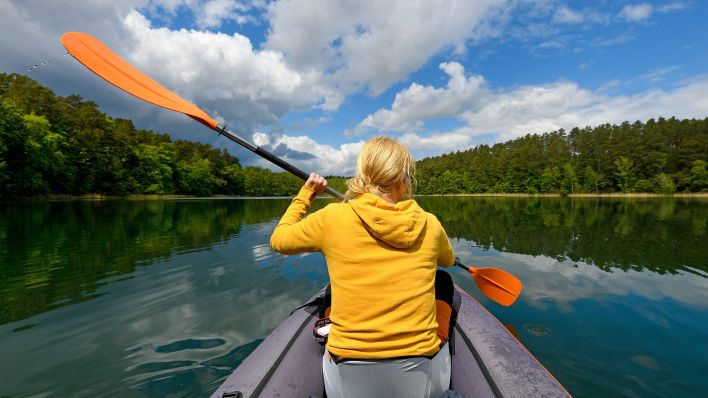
500	286
105	63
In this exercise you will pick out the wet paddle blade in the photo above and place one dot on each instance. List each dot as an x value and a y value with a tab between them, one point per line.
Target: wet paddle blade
512	329
500	286
102	61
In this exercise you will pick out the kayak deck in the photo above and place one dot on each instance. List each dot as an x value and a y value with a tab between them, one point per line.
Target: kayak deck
487	360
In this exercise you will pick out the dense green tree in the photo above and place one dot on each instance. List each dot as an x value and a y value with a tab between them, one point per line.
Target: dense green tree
592	180
570	178
233	178
698	181
46	161
196	177
155	166
17	172
624	173
551	179
664	184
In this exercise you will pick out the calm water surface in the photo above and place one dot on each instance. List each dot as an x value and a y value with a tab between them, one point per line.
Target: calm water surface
166	298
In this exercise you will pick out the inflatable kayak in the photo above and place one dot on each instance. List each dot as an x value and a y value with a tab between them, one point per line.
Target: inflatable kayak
487	360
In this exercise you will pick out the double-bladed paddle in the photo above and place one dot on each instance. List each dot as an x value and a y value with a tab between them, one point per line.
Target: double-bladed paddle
498	285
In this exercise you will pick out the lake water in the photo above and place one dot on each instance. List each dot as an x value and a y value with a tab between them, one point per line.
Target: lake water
166	298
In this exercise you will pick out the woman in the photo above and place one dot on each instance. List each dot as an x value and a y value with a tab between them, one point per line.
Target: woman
388	332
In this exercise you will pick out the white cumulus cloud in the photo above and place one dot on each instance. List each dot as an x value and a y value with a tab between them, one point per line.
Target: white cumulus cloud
637	12
417	103
489	116
206	13
643	11
566	15
323	159
221	72
371	44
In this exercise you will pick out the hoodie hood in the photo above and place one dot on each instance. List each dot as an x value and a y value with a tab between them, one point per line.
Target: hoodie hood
398	225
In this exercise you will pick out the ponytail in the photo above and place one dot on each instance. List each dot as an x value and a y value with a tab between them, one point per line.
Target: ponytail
382	165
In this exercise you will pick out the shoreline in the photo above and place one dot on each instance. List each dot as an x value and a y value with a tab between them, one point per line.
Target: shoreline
132	197
701	195
151	197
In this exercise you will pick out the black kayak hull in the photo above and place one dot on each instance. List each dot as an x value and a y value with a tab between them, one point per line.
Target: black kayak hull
487	360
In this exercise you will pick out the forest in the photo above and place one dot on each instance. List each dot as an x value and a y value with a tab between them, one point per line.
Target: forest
65	145
658	156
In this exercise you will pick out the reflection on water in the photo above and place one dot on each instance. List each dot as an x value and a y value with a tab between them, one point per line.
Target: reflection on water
661	235
59	253
165	298
615	299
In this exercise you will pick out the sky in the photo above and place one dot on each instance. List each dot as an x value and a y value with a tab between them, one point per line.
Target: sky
311	80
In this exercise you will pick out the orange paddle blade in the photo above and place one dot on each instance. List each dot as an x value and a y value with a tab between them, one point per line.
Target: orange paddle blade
500	286
102	61
512	329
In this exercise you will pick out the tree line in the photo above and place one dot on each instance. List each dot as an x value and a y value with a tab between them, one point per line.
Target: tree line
662	156
65	145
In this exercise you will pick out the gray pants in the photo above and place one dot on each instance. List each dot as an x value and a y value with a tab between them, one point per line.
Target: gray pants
405	377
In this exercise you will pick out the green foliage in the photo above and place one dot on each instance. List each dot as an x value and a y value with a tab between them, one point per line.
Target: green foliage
338	183
196	177
11	145
66	145
261	182
154	168
644	185
570	179
233	179
664	184
624	172
606	158
550	179
50	144
592	180
698	181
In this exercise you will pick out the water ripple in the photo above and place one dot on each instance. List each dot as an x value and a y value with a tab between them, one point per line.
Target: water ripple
190	344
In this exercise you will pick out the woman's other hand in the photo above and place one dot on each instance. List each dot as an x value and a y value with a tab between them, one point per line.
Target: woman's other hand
316	183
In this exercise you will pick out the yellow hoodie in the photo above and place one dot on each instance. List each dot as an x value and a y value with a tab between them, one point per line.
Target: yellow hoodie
381	260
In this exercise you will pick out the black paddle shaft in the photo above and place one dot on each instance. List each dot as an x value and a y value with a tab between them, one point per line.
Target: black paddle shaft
273	159
459	264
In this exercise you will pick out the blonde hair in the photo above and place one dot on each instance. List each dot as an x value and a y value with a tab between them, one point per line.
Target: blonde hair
383	164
